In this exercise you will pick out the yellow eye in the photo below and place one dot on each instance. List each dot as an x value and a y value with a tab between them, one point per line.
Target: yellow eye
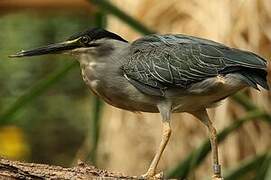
85	39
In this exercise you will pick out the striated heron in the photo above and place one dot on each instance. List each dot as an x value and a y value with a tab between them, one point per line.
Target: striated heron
161	74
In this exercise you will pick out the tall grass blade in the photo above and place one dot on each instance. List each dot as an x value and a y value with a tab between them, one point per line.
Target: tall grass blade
34	91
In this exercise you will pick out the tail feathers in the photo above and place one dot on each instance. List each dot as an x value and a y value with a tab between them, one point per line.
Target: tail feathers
254	77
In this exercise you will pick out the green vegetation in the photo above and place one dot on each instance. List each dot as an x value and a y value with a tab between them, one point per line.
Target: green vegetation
47	115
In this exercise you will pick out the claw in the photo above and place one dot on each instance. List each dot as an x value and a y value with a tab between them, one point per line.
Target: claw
159	175
152	175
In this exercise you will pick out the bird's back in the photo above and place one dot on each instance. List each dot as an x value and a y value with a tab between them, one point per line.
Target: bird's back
157	63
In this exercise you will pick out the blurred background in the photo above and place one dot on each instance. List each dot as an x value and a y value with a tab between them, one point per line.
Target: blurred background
47	115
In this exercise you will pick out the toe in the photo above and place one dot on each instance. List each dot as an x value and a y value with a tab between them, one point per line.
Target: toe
215	177
159	175
152	175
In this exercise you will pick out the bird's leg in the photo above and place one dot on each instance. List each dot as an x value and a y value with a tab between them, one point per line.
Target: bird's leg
166	132
214	146
165	137
203	116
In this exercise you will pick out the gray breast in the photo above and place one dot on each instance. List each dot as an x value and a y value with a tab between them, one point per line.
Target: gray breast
91	76
114	88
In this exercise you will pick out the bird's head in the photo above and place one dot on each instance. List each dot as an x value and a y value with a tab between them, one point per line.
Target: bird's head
95	40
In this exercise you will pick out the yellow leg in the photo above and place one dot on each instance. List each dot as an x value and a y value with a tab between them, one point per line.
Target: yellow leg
165	137
214	146
203	116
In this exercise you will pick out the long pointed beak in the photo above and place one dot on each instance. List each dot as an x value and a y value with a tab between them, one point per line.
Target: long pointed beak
49	49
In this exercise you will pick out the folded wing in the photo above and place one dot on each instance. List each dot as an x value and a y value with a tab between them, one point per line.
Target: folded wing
159	62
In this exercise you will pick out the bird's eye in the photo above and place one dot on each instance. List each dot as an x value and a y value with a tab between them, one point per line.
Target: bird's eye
85	39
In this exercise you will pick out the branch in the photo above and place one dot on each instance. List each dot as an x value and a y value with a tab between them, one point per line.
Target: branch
19	170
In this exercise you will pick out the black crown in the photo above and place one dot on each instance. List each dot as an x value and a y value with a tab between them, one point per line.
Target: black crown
97	33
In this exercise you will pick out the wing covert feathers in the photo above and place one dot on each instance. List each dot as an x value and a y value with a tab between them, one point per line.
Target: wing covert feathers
158	62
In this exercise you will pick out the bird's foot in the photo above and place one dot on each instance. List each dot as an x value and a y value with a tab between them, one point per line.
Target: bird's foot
217	177
152	175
